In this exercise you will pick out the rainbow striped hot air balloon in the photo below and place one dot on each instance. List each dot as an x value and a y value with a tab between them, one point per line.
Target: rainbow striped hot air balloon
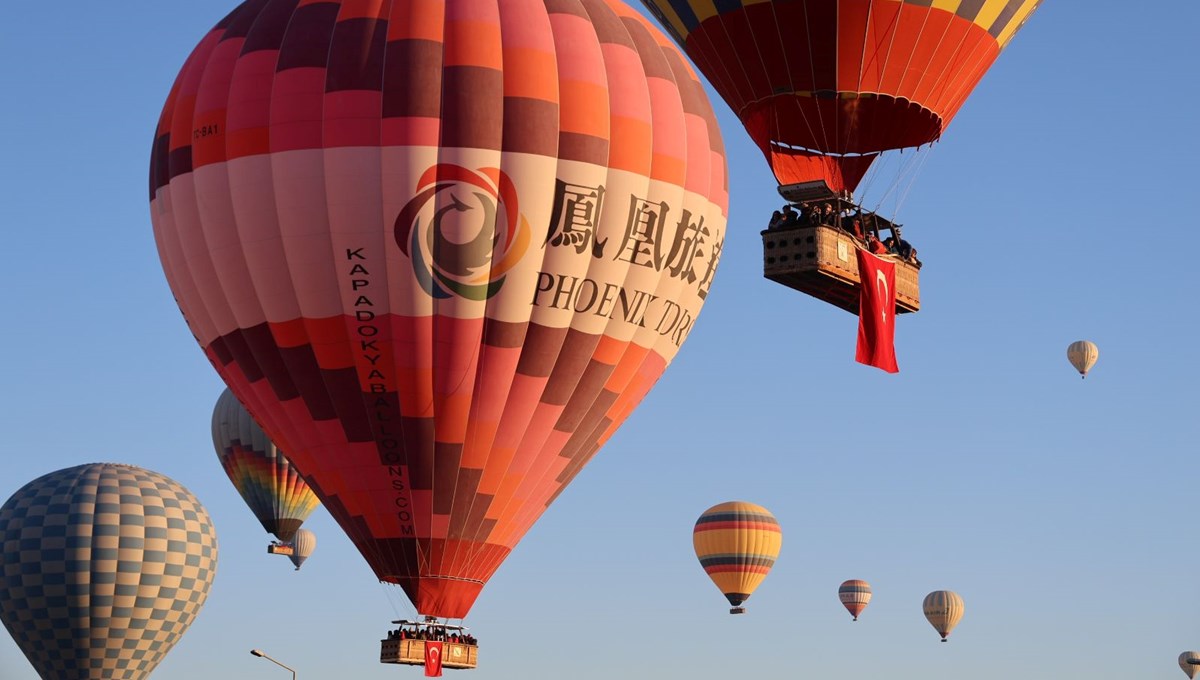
264	477
855	595
737	544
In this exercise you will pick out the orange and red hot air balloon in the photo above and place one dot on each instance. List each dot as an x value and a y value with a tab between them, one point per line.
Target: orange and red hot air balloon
824	86
440	249
855	595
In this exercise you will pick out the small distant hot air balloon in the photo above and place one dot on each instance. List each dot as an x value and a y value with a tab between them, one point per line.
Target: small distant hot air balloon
737	544
104	568
303	546
943	609
855	595
1190	663
264	477
1082	355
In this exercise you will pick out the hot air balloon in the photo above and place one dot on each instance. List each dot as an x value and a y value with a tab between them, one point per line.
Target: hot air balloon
824	88
105	567
302	547
273	489
855	596
1190	663
737	544
441	250
1082	355
943	609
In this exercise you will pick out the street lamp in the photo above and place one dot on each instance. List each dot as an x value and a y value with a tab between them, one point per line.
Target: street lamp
259	652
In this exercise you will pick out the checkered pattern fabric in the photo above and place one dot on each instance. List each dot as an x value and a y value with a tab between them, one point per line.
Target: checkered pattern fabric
102	568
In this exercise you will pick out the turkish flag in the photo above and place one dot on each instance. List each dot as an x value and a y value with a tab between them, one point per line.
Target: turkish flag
876	312
433	659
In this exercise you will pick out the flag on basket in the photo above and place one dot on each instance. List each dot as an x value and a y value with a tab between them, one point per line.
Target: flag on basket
876	312
433	659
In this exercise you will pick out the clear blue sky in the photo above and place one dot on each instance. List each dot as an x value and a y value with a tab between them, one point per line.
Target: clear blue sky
1058	207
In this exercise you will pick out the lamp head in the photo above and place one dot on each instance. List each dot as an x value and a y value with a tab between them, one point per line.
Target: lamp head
257	652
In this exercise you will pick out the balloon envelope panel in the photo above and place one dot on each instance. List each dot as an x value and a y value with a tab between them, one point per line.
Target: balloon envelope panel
842	76
103	569
441	250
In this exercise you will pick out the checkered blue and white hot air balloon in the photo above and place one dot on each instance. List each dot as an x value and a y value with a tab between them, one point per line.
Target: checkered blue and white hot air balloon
103	567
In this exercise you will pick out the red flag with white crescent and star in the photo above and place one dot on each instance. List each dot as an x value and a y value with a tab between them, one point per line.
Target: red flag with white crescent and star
876	312
433	659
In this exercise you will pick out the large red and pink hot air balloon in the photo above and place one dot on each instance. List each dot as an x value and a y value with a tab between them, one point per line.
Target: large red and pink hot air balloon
440	250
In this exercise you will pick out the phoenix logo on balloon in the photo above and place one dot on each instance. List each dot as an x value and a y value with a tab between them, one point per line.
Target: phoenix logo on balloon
474	236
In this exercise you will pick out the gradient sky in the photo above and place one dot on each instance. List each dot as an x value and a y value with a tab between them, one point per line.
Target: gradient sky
1056	208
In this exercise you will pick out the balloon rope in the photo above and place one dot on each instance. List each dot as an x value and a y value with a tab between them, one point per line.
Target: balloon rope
774	131
813	71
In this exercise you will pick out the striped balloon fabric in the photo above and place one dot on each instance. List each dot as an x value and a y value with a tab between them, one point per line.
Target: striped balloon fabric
855	595
737	544
103	568
823	86
943	609
260	472
441	249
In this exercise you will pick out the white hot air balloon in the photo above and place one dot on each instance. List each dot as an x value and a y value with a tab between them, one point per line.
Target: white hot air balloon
304	545
1082	355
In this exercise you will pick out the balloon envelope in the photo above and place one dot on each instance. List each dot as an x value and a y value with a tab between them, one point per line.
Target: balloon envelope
1083	355
855	595
303	547
441	250
737	544
260	472
104	568
1190	668
943	609
823	86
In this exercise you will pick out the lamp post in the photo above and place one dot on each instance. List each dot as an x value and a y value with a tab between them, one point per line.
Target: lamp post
261	653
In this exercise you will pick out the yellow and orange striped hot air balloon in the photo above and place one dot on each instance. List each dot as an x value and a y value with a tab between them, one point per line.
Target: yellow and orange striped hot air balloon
441	250
737	544
855	595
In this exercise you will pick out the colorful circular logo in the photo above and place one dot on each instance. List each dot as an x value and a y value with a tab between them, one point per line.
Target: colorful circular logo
463	231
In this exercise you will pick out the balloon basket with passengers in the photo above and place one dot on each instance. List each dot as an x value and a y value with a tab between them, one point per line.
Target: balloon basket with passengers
406	645
811	245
